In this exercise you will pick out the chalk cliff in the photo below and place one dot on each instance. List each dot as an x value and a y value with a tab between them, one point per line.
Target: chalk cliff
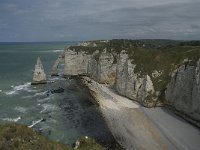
149	72
183	91
54	70
102	68
131	84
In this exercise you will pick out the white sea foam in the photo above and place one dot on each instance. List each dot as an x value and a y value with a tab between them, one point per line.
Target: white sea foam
53	78
35	122
0	90
18	88
58	50
20	109
29	90
44	99
48	108
11	119
35	95
41	93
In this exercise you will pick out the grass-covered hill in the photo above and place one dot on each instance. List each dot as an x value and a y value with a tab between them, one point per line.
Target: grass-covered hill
20	137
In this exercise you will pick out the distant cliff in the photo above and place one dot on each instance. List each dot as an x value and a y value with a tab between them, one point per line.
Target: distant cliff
152	72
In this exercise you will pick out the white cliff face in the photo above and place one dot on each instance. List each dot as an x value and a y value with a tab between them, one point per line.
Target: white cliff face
183	92
106	68
54	70
101	67
130	84
39	76
98	66
75	63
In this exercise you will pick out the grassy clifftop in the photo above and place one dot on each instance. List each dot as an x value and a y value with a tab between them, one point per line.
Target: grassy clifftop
20	137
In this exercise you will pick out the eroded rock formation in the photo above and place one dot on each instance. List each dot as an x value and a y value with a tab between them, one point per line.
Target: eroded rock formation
183	91
54	70
131	84
39	76
151	87
102	68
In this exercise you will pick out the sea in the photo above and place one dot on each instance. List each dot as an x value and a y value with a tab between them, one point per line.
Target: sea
61	116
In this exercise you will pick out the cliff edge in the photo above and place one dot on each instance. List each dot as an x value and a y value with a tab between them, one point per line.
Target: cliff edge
151	72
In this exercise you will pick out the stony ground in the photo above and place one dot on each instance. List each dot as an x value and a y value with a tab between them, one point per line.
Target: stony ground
136	127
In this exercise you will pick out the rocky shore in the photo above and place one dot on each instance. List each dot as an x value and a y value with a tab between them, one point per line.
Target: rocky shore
136	127
152	72
149	74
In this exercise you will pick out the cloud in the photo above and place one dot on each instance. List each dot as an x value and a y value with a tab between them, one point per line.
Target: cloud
93	19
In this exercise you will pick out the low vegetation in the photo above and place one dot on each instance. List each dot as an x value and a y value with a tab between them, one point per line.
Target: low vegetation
20	137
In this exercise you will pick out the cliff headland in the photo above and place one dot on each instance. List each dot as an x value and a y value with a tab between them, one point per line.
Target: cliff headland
154	73
151	72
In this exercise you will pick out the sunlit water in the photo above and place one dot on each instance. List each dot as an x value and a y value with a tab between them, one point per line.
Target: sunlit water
60	116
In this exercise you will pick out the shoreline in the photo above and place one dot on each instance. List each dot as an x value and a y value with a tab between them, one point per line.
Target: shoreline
137	127
108	142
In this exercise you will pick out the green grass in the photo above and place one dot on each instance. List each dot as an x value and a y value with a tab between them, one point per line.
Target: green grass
20	137
165	60
89	144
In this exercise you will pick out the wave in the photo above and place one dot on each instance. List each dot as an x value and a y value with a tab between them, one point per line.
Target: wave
45	99
48	108
35	122
11	119
35	95
30	91
18	88
58	50
20	109
41	94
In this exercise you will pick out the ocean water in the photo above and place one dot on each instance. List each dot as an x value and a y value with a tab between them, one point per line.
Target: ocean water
62	116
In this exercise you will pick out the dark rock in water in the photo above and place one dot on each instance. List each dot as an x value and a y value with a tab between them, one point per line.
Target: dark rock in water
38	130
43	120
48	93
49	132
54	75
59	90
39	82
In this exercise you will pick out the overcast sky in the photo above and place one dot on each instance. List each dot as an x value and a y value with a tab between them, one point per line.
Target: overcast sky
74	20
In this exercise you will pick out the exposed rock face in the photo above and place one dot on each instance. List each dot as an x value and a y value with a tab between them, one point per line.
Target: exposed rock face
102	68
98	66
183	92
39	76
54	70
130	84
75	63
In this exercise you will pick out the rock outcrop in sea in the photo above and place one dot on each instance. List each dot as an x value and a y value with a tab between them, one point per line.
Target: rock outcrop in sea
39	76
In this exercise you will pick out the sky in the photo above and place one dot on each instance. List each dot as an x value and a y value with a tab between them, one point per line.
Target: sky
76	20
